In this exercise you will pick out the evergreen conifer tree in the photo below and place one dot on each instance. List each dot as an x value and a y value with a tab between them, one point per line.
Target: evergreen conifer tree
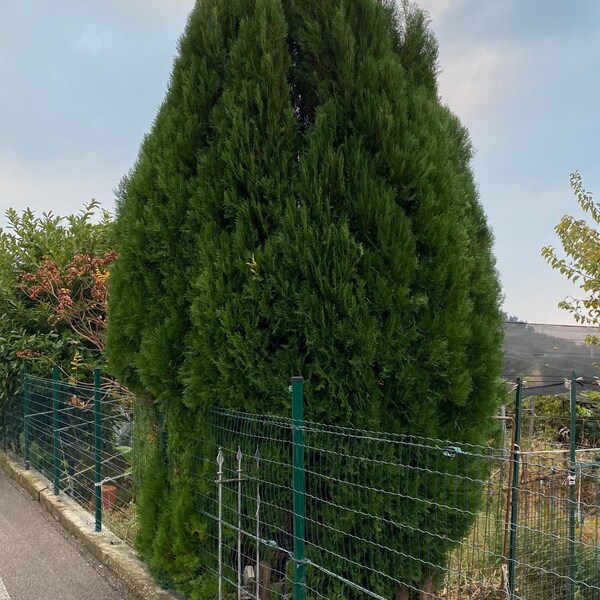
303	204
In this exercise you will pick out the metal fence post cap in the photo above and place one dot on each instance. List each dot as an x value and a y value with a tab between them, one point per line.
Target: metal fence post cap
299	379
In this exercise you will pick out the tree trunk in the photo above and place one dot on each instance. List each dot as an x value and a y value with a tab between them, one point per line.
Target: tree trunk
401	592
264	590
427	591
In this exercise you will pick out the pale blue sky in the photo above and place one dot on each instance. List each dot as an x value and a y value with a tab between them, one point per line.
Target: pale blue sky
81	83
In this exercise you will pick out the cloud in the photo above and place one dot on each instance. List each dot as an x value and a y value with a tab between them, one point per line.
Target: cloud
156	12
510	20
91	42
481	78
438	9
521	76
86	84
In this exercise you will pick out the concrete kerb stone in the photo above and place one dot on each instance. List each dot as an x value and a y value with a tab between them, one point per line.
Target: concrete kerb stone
109	550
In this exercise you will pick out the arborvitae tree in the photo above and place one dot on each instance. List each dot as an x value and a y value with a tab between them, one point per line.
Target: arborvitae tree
303	204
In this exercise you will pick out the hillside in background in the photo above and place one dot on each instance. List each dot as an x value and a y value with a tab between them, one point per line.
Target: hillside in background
546	354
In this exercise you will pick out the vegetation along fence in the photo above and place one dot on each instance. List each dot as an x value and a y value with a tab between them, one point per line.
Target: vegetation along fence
79	436
294	509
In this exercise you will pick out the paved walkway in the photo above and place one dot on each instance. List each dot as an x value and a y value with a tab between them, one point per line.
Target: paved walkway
40	561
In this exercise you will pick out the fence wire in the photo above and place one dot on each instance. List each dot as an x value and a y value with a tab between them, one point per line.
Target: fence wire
386	516
396	517
70	431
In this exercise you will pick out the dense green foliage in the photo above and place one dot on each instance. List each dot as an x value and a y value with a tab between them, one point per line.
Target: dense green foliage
33	249
36	254
579	263
303	205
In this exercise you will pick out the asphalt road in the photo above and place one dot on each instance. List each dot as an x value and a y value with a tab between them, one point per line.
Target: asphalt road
40	561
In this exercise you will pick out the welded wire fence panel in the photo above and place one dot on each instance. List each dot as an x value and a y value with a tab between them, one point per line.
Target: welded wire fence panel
78	453
62	444
391	516
544	432
587	539
543	527
397	517
39	422
386	516
246	496
558	538
553	563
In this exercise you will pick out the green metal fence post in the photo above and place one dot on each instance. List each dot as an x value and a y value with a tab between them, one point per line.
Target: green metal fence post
98	446
572	482
514	505
26	432
299	488
55	430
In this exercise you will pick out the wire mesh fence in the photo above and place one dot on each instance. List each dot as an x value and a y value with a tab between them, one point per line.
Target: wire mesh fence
379	509
558	495
389	516
80	437
374	515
